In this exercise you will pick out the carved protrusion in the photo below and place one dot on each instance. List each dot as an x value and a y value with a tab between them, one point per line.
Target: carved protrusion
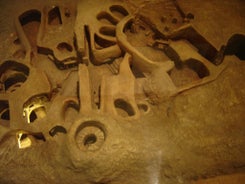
117	92
84	90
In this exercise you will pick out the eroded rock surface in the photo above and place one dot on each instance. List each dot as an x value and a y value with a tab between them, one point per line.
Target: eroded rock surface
112	92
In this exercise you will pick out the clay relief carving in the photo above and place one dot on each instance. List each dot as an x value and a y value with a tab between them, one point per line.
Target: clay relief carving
81	75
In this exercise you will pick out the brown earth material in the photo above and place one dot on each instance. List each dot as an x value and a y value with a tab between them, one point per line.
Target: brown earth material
121	92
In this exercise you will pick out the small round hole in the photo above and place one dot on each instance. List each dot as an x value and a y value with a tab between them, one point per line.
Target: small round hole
67	12
124	108
64	47
143	107
90	136
17	41
89	139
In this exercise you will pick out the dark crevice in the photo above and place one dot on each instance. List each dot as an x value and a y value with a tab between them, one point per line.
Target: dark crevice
73	105
54	16
143	107
197	40
4	113
236	46
99	98
123	108
33	116
45	51
38	136
63	46
198	67
13	65
57	129
67	13
79	54
16	41
136	72
174	56
119	11
88	39
89	139
4	110
30	21
70	110
14	74
106	18
108	31
102	43
14	79
30	16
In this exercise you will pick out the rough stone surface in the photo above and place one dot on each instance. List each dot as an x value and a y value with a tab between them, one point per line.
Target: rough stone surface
134	127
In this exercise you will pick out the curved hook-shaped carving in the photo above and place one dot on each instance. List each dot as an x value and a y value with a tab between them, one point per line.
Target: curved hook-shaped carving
141	61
